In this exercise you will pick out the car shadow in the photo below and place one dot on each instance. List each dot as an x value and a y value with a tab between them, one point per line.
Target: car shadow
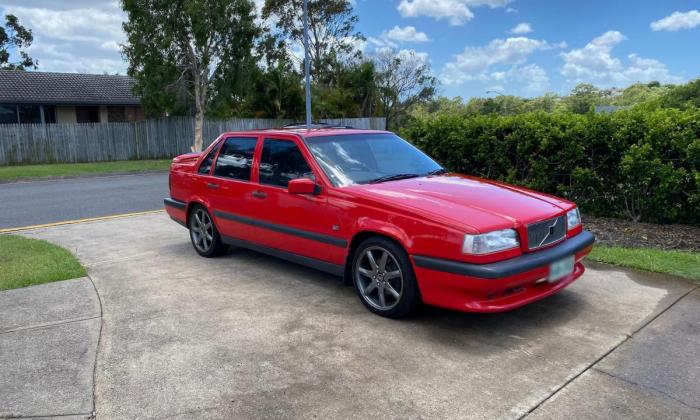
436	324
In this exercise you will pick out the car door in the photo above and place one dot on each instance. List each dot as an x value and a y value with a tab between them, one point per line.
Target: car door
294	223
229	186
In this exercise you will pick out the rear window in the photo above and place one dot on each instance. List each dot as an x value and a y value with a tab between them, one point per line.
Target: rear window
236	158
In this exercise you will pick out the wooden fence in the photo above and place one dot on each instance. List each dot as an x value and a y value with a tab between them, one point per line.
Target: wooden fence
150	139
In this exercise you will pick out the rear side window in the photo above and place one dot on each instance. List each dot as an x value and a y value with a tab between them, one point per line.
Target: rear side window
236	158
282	161
205	166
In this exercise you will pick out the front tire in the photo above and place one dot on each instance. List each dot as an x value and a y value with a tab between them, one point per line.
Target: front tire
384	278
205	238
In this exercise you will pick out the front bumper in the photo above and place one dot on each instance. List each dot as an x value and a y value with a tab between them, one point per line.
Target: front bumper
499	286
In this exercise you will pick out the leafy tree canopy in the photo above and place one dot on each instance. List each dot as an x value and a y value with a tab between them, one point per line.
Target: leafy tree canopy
190	53
15	37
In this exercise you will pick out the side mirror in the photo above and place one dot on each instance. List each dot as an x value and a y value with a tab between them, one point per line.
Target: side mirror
303	186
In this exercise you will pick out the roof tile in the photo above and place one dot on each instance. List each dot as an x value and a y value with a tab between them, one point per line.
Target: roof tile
18	86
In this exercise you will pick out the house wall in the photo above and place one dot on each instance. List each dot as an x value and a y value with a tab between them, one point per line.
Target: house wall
65	114
135	113
103	114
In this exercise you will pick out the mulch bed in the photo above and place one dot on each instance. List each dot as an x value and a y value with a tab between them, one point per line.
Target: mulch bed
619	232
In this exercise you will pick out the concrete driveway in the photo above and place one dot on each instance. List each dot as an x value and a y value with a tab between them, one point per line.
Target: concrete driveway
248	336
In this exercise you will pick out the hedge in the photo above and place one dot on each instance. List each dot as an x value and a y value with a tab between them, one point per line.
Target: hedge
641	163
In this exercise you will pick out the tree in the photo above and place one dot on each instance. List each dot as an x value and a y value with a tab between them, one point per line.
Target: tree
403	80
14	36
194	49
583	98
332	33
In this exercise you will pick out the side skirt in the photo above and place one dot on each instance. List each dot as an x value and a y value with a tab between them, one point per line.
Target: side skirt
334	269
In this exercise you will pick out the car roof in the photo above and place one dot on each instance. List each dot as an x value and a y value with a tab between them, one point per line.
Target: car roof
307	132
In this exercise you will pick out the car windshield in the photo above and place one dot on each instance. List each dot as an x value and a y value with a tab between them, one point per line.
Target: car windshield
369	158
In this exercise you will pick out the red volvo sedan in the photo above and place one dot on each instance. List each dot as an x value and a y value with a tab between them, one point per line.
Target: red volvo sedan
370	207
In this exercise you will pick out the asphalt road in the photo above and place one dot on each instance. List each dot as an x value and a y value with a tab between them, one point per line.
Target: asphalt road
39	202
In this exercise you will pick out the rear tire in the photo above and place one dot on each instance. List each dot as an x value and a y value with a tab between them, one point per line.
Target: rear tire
203	234
384	278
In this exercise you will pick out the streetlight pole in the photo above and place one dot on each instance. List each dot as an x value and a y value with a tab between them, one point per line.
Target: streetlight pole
307	68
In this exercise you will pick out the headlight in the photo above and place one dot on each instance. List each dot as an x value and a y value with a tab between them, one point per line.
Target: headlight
573	218
485	243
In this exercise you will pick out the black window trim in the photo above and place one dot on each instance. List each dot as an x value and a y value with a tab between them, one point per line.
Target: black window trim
217	148
262	145
216	158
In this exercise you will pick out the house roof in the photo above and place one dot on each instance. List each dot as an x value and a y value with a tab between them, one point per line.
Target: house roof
34	87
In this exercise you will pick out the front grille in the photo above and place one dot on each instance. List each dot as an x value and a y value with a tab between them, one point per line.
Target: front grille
546	232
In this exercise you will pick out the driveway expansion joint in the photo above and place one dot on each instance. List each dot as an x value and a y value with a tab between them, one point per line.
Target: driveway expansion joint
645	387
606	354
49	324
34	416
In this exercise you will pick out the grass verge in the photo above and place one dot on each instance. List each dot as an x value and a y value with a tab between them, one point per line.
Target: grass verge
57	170
27	262
678	263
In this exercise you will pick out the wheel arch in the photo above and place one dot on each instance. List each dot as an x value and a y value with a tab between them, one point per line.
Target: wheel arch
360	237
191	204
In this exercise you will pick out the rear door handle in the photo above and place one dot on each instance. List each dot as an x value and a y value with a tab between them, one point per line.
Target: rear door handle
259	194
212	186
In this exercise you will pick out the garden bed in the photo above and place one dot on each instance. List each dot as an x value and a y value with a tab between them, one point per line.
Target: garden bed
617	232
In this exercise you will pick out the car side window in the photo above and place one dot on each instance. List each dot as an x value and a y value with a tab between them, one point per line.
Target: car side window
205	166
236	158
282	161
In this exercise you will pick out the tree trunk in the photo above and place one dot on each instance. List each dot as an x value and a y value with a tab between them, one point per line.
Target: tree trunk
198	127
199	94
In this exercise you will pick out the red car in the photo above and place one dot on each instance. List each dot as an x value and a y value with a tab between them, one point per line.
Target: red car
370	207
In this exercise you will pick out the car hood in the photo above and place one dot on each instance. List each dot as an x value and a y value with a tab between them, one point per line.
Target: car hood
480	204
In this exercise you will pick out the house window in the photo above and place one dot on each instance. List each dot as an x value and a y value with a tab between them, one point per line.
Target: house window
49	114
116	114
8	114
87	114
29	114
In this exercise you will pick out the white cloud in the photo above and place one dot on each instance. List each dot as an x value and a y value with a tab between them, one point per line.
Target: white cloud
456	12
532	77
521	29
477	63
78	36
595	63
392	38
677	21
88	25
405	34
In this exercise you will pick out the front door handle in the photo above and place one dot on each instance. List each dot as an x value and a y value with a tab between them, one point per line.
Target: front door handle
259	194
212	186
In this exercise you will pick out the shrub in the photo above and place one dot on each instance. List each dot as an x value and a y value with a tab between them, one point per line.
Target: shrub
641	163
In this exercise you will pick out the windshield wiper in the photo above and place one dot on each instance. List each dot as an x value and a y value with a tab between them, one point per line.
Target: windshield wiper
437	172
394	177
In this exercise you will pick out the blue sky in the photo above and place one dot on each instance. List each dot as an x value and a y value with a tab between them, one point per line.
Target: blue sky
553	55
471	45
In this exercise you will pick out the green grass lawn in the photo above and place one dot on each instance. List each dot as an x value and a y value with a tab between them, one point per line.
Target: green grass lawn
24	172
677	263
26	262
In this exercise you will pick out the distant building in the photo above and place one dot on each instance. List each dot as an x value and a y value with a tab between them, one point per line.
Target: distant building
608	109
30	97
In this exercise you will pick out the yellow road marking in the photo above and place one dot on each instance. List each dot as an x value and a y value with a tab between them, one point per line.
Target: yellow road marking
73	222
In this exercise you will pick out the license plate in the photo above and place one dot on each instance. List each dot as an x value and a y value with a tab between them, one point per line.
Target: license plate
560	269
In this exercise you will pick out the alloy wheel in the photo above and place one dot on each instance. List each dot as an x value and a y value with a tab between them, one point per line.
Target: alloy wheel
379	278
202	230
